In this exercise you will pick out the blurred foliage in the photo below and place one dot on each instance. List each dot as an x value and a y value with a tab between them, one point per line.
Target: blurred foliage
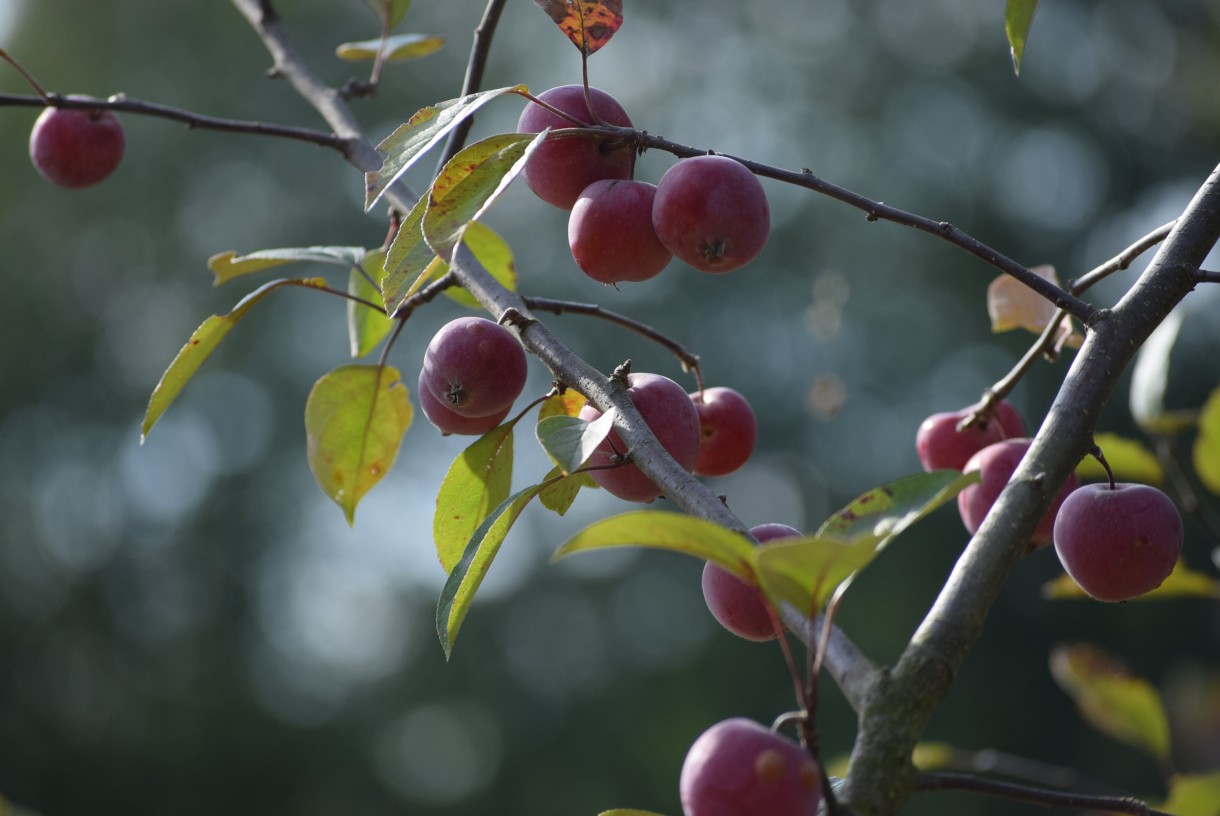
189	626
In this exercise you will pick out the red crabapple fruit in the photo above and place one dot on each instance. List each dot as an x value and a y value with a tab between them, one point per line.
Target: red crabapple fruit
738	606
76	147
727	431
672	418
712	213
610	232
562	167
1118	542
941	445
739	768
475	367
448	422
996	463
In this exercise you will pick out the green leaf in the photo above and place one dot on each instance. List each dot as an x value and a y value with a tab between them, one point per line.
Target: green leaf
389	12
355	418
490	250
419	133
884	512
1018	17
229	265
398	48
1150	379
468	573
664	530
1113	701
366	327
478	480
200	346
469	184
408	260
1183	582
560	495
1193	795
1207	443
570	441
1130	460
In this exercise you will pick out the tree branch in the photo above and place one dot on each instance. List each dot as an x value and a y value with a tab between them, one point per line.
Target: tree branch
480	49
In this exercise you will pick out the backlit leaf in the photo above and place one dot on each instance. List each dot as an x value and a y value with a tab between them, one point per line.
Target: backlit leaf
478	481
1130	460
1013	305
1183	582
570	441
663	530
1018	17
398	48
229	265
883	512
568	403
1113	701
560	495
470	182
366	327
1193	795
805	572
589	24
419	133
1150	378
627	812
1207	443
200	346
490	250
408	260
355	418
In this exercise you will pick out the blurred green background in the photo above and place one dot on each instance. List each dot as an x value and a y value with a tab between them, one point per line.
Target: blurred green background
190	627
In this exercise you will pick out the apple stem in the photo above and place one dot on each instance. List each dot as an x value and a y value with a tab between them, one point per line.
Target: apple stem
1101	457
11	60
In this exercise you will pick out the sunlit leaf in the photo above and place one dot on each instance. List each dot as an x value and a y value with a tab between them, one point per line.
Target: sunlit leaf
560	495
589	24
1018	17
1013	305
355	418
568	403
229	265
1193	795
1150	378
883	512
1207	443
419	133
663	530
1130	460
478	481
570	441
490	250
470	182
398	48
627	812
934	756
200	346
366	327
1113	701
1183	582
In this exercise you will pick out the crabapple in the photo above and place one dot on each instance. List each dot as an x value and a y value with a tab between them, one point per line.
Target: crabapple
76	147
941	445
996	463
672	418
562	167
727	430
448	422
739	768
474	366
738	606
711	212
1118	542
610	232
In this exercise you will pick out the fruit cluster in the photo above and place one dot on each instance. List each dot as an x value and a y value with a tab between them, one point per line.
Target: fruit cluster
708	211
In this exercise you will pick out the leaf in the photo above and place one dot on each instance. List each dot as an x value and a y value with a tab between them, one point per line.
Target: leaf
200	346
390	12
664	530
1114	702
568	403
884	512
1130	460
490	250
366	327
1018	17
1193	795
1183	582
468	573
1207	444
229	265
1013	305
1150	378
408	261
423	130
589	24
478	480
355	418
470	182
398	48
627	812
560	495
570	441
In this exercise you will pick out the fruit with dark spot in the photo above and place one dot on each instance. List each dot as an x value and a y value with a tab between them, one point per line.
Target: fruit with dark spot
474	367
610	232
76	147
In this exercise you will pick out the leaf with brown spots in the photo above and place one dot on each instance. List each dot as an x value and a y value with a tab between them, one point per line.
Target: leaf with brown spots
589	24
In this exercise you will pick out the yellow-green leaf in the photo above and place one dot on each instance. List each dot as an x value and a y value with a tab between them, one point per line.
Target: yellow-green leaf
568	403
229	265
589	24
663	530
366	327
355	418
398	48
1207	444
1018	17
490	250
407	260
1112	700
200	346
1183	582
1130	460
805	572
627	812
478	481
560	495
1193	795
883	512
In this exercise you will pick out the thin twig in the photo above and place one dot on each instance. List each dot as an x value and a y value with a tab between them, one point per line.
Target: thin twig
480	49
1205	276
985	786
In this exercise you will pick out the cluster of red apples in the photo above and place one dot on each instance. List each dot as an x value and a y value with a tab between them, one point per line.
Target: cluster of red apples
709	211
76	147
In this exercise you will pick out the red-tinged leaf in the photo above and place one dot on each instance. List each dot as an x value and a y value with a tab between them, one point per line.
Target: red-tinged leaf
589	24
478	481
200	346
568	403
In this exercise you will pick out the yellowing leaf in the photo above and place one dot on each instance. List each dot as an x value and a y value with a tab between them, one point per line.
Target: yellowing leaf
663	530
589	24
1013	305
568	403
1183	582
1207	445
355	418
478	481
1113	701
1130	460
229	265
490	250
1193	795
627	812
1018	17
398	48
